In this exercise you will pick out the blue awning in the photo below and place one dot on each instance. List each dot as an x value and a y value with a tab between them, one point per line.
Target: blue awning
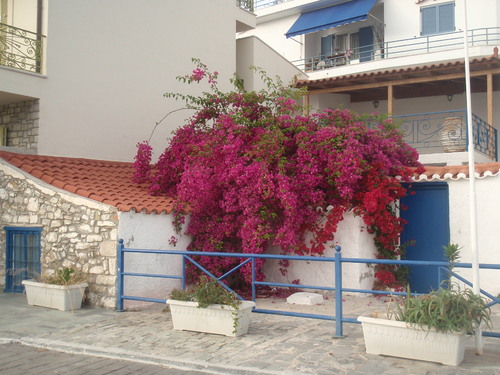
340	14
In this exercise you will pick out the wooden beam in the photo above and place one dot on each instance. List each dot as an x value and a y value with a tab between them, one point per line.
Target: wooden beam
489	97
408	81
390	99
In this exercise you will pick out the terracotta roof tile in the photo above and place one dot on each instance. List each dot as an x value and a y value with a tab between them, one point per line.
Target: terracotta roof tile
110	182
456	172
103	181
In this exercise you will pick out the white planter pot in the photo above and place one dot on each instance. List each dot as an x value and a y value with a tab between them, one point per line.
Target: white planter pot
218	319
61	297
398	339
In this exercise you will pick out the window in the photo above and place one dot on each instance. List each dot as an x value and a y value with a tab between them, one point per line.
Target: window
354	45
438	18
22	256
340	42
326	46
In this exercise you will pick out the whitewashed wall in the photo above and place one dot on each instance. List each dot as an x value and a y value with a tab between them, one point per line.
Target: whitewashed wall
488	216
152	232
251	51
355	243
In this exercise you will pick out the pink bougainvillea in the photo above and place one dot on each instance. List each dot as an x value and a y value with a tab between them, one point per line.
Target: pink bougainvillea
256	172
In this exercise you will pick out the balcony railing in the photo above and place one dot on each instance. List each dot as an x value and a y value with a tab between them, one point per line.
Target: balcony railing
267	3
21	49
246	4
399	48
447	132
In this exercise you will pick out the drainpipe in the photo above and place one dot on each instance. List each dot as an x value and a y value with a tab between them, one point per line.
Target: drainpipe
39	20
472	182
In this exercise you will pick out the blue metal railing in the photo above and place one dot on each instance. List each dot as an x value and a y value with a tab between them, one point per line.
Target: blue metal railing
448	129
401	47
250	259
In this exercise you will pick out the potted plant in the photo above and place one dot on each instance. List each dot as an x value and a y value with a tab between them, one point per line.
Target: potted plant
64	290
430	327
209	307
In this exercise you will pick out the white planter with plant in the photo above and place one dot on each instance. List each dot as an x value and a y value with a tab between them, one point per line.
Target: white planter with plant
210	308
400	339
430	327
62	291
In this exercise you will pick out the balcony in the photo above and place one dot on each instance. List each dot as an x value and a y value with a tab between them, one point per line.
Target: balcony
400	48
442	137
21	49
246	4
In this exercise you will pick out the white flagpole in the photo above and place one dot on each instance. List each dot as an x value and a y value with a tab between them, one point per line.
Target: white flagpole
472	182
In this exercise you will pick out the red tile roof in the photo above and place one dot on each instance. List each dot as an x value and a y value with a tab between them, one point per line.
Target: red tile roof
458	171
110	181
104	181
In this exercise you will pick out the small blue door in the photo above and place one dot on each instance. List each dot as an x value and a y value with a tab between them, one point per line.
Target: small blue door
22	256
428	226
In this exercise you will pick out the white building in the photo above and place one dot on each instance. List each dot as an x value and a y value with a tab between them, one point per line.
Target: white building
89	76
399	57
86	79
406	58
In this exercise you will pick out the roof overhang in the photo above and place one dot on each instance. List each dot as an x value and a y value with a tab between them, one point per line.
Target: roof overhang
410	82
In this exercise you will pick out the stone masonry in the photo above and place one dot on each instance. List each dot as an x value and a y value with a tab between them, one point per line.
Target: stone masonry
77	232
21	120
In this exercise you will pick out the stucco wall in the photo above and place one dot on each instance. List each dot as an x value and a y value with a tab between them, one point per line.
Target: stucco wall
355	243
488	220
143	231
484	14
108	65
76	232
251	51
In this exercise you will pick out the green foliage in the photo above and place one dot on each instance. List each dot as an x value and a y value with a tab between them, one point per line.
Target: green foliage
65	276
207	292
448	309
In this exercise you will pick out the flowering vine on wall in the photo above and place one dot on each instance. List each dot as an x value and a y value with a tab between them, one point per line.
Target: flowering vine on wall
253	171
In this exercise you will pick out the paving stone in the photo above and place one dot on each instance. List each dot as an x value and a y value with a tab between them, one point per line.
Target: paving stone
274	344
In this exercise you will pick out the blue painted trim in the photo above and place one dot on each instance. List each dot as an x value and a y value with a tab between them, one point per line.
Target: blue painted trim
119	281
337	260
15	273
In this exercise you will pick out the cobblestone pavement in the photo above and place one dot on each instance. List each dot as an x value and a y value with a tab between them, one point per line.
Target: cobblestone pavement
274	345
16	359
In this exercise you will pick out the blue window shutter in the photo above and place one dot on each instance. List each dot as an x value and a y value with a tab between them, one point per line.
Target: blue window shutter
446	17
429	20
365	43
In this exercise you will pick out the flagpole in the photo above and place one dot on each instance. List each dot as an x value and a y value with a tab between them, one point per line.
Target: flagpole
472	182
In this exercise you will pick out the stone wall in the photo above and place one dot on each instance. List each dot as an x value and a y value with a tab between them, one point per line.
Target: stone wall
77	232
22	123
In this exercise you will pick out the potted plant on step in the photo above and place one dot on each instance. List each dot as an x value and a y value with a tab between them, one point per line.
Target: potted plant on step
64	290
430	327
209	307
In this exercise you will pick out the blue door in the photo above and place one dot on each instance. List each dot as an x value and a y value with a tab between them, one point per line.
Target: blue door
428	226
365	43
22	256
